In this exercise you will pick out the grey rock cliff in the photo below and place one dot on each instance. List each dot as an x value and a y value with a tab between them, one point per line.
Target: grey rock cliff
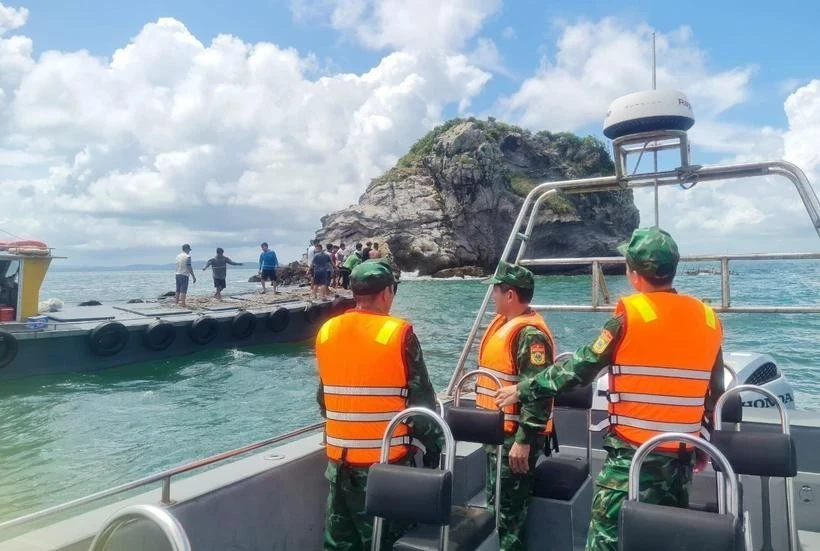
453	199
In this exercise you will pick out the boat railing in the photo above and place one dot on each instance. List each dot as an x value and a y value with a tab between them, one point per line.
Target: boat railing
600	294
687	176
164	477
165	521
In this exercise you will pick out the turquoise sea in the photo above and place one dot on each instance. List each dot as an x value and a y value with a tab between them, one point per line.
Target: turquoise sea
63	437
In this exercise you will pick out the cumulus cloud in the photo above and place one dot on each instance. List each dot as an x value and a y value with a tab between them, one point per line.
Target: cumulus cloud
171	140
595	62
420	25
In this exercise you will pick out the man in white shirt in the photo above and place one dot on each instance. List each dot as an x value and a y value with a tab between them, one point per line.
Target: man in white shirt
183	272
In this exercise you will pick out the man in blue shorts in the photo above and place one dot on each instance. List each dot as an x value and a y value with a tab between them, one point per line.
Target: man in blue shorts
219	264
267	267
322	267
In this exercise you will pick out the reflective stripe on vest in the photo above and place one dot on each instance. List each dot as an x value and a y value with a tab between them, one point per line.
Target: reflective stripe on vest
363	391
497	355
366	444
662	366
366	390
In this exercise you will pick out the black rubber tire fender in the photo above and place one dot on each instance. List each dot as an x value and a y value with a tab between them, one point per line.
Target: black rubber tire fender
159	335
203	330
8	348
243	325
278	320
108	338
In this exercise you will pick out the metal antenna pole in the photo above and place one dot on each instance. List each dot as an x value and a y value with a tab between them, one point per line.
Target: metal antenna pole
655	153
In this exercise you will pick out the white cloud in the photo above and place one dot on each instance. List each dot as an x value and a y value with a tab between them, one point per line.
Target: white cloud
170	140
509	33
596	62
420	25
12	18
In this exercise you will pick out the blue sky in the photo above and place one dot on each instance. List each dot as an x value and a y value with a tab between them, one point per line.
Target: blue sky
115	141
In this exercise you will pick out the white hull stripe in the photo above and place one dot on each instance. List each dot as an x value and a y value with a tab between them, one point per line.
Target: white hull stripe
366	444
660	372
366	390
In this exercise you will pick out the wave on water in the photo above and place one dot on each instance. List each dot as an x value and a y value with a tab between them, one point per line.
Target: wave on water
414	276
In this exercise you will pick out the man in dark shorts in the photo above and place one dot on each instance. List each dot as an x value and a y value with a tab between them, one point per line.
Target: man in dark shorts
267	267
322	267
183	271
219	264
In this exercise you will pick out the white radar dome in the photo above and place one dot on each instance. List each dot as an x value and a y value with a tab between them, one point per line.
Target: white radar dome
648	111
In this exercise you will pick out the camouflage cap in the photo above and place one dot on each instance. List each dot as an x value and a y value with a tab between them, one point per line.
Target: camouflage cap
371	276
652	253
513	275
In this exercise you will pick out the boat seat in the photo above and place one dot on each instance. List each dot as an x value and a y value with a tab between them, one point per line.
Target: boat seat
559	509
780	459
643	526
470	528
403	493
560	477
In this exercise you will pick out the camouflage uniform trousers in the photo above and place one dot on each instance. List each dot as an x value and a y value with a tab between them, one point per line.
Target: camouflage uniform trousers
347	526
665	480
516	490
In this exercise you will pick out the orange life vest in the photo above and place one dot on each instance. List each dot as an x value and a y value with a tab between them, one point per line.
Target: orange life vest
365	390
661	369
498	354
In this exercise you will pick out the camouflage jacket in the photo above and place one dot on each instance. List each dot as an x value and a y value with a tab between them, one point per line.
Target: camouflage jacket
533	355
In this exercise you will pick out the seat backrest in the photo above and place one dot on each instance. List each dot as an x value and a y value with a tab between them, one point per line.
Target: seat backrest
732	409
757	453
481	426
647	527
579	398
400	492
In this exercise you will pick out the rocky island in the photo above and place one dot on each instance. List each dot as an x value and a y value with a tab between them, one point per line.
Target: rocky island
449	204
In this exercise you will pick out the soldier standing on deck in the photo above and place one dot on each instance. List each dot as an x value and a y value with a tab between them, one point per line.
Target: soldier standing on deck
665	364
517	346
359	393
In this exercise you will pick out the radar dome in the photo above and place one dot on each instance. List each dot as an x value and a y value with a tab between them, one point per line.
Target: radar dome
648	111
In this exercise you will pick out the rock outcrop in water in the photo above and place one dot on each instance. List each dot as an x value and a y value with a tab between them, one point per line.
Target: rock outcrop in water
452	200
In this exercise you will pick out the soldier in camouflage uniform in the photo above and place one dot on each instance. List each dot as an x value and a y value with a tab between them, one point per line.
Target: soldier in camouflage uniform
665	477
532	351
347	527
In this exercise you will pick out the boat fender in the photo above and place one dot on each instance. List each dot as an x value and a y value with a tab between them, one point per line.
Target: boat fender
279	320
8	348
108	338
159	335
203	330
312	313
243	325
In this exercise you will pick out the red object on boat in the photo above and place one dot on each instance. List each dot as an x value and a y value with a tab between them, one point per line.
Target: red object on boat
6	312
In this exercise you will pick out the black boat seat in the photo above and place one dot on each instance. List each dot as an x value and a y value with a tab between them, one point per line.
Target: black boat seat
647	527
424	497
559	477
401	492
779	459
732	409
481	426
469	528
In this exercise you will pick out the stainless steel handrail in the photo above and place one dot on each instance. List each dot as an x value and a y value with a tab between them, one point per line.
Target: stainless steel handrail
689	175
164	476
169	525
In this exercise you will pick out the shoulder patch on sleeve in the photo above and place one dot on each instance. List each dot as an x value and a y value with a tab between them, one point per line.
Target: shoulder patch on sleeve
602	341
538	353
